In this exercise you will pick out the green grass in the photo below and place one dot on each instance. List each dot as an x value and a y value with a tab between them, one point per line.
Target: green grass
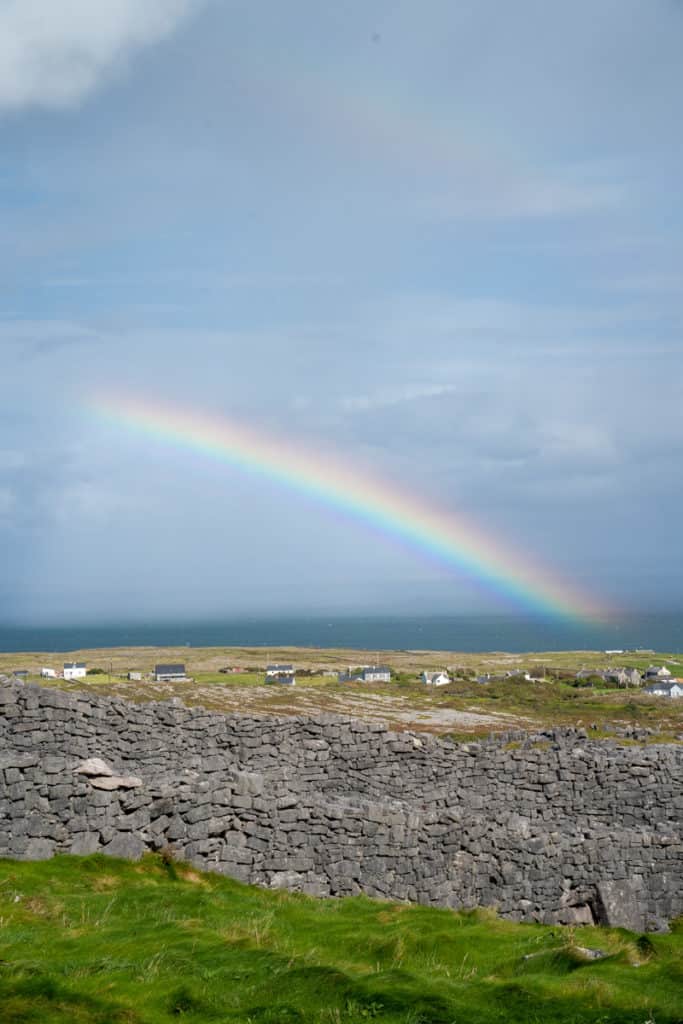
98	941
229	678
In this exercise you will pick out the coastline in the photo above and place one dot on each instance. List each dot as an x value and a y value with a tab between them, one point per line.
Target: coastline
213	658
438	634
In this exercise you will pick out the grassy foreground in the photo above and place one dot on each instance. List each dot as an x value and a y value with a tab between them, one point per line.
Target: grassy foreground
97	941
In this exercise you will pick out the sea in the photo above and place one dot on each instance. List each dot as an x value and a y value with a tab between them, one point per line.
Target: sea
473	633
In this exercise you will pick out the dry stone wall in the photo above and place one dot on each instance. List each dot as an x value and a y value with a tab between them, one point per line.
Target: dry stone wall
550	827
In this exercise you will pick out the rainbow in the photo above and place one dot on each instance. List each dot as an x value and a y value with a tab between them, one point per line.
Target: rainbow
443	536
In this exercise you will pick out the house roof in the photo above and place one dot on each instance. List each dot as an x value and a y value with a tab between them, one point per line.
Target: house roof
377	668
74	664
279	668
668	685
170	670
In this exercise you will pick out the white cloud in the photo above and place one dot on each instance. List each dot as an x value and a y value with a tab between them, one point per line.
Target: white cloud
6	503
53	54
392	397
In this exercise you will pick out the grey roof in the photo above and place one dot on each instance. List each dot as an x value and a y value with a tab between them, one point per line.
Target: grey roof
279	668
377	668
664	685
169	670
283	677
74	664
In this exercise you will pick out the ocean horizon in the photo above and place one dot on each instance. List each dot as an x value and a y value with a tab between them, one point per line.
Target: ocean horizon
467	633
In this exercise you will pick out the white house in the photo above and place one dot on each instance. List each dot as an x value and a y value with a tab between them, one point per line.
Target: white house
281	678
135	676
276	670
376	674
666	689
655	672
74	670
436	678
169	673
367	674
48	673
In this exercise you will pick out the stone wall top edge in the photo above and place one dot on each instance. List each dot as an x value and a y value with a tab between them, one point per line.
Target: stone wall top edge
515	739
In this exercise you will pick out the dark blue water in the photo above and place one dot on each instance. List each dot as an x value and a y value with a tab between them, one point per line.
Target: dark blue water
662	632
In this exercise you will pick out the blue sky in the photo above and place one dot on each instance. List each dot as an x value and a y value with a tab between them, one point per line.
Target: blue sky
442	239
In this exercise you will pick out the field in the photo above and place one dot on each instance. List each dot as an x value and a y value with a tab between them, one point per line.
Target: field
99	941
464	708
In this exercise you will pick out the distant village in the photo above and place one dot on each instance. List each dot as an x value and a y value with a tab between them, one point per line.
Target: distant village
656	680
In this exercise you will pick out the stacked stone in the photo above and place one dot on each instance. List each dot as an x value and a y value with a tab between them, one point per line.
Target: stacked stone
551	826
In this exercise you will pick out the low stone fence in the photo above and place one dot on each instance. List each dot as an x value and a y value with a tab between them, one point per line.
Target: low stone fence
551	827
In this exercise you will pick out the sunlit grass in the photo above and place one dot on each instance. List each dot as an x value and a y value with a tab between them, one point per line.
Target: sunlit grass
95	940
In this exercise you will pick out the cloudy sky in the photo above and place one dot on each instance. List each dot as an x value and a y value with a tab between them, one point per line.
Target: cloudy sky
443	240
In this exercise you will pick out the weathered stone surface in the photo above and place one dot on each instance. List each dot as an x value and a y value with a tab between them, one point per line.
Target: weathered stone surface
95	767
554	827
110	782
125	845
39	849
84	843
622	907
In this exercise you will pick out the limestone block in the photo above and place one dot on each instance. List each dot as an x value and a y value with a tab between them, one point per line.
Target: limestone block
39	849
622	907
292	880
84	843
112	782
125	845
95	767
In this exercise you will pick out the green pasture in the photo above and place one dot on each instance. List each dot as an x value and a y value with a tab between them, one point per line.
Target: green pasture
99	941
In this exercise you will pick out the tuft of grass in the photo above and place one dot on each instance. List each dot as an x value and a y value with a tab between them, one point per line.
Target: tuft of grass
98	941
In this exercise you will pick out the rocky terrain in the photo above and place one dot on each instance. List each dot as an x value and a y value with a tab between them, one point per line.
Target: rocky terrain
549	826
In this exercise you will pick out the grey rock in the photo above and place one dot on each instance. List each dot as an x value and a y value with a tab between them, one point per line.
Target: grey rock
111	782
84	843
94	767
125	845
39	849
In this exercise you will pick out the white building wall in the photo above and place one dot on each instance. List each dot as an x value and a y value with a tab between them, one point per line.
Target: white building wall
74	673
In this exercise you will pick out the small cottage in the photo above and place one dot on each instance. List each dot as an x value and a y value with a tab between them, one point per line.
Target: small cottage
367	674
170	673
671	689
376	674
436	678
281	678
657	672
48	673
74	670
276	670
